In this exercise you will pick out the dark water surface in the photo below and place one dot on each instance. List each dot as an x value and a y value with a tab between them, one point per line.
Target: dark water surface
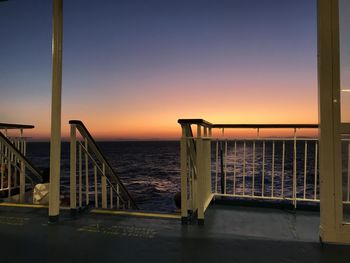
150	170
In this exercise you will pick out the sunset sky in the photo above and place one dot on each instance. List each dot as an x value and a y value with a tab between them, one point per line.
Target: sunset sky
131	68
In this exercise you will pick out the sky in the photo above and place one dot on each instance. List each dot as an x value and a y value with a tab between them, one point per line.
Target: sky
131	68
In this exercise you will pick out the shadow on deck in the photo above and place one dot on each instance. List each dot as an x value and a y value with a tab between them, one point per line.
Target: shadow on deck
230	234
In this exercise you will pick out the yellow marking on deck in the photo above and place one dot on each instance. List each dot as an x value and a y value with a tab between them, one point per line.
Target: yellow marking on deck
16	221
23	205
141	214
30	205
120	230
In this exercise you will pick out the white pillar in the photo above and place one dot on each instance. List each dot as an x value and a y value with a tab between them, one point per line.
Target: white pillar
332	228
55	145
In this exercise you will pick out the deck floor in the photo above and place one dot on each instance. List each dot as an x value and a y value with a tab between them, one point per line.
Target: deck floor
230	234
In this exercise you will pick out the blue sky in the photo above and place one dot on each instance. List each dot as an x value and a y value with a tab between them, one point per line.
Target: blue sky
139	65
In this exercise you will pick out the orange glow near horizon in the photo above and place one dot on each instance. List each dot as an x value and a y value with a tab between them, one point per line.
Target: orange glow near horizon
160	122
131	70
154	114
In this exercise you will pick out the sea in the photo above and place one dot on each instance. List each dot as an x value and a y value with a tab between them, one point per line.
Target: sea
150	170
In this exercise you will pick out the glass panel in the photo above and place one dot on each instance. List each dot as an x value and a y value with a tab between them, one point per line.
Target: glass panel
344	27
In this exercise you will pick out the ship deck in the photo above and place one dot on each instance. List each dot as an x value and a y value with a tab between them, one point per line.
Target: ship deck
230	234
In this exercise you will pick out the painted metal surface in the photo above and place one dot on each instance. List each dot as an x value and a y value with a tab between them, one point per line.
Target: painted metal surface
106	188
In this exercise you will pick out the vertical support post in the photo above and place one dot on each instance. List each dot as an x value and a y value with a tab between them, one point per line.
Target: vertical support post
55	144
234	169
315	179
253	173
225	168
73	167
86	173
9	173
184	174
283	157
273	169
200	176
2	149
295	170
244	166
110	196
104	187
217	165
95	182
118	198
80	163
348	187
328	74
305	168
263	172
222	179
22	178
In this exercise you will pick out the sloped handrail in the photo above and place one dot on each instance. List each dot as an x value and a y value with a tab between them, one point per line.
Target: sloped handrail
37	178
113	176
207	124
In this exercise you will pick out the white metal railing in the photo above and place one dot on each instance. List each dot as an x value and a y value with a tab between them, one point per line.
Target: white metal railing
196	192
92	179
14	164
268	168
284	169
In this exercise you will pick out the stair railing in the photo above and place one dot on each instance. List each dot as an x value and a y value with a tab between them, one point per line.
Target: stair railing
95	175
14	164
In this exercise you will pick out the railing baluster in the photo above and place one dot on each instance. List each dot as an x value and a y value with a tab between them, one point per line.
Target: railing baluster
118	198
9	173
104	187
273	168
225	167
305	168
217	166
15	162
73	167
283	157
263	172
244	148
315	180
86	173
348	192
80	178
189	174
2	165
111	196
253	175
234	169
22	178
96	189
294	169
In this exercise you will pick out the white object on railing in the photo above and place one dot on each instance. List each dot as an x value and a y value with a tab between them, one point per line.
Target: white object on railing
41	194
14	163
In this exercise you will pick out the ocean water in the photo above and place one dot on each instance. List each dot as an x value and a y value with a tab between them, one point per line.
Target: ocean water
150	170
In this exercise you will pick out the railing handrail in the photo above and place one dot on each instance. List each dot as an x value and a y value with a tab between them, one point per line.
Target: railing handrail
207	124
15	126
114	178
20	156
